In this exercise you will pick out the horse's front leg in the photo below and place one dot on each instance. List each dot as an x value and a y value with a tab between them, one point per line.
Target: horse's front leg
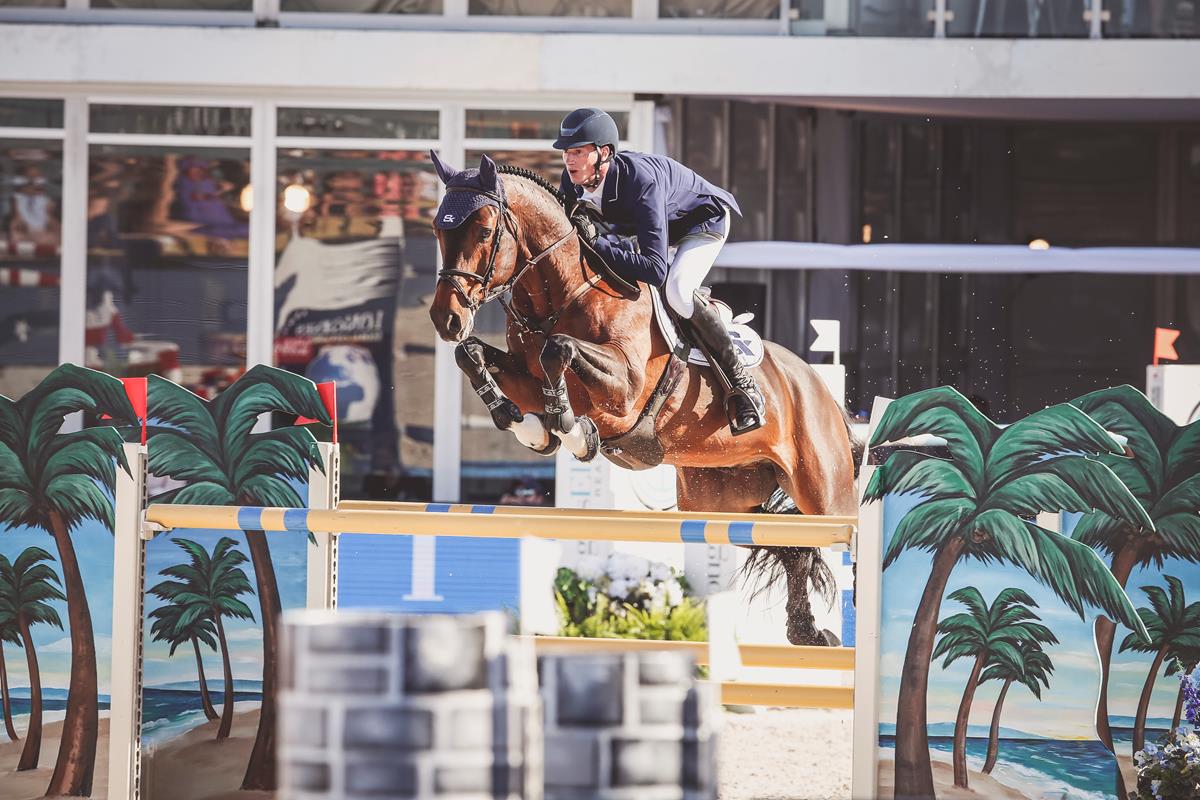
606	375
479	360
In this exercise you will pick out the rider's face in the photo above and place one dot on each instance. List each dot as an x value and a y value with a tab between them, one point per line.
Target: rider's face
581	162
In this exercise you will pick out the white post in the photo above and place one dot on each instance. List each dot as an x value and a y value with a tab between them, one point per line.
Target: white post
125	693
641	126
940	19
324	492
447	378
868	550
260	287
1095	15
72	294
645	10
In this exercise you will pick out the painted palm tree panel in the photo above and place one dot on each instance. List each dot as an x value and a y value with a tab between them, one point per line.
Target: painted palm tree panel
210	455
56	494
967	524
1174	628
1163	473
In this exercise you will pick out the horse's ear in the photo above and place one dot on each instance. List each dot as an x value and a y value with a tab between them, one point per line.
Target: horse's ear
444	171
487	173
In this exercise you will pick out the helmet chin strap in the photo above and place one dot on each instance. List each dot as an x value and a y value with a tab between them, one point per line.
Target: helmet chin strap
597	177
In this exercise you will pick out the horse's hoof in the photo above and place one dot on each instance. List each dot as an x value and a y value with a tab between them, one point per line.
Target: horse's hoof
591	438
561	423
551	447
506	415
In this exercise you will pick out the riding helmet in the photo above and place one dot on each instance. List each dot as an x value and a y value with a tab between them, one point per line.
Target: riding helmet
587	126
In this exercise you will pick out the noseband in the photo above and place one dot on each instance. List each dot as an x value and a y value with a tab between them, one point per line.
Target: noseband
455	277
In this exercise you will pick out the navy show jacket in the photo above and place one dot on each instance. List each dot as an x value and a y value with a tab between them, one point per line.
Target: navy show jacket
656	199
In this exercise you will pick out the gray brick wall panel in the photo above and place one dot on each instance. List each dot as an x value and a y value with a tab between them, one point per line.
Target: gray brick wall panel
450	710
632	726
381	706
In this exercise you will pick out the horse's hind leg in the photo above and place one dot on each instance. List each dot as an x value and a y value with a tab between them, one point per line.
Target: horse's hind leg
739	490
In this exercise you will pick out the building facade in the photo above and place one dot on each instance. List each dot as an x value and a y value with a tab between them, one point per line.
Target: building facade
194	187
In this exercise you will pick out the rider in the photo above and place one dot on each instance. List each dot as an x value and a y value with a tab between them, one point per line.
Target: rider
664	203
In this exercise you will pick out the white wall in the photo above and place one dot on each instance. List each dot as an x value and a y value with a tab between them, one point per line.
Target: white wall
74	57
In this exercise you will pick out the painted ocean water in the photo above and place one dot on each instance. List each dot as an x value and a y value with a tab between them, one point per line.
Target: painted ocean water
167	713
1082	769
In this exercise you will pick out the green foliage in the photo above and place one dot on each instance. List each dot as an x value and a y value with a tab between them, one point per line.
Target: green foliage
1170	622
999	479
43	472
648	609
210	447
26	588
997	629
1163	474
205	589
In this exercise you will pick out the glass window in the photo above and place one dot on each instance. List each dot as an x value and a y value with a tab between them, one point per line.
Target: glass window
178	5
1187	213
547	163
170	120
358	123
30	234
1151	18
704	145
365	6
552	8
878	153
16	112
1013	20
355	268
793	217
921	173
504	124
903	17
1080	185
168	238
749	168
722	9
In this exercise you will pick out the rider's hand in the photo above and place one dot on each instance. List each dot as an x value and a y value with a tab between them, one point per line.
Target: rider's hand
585	226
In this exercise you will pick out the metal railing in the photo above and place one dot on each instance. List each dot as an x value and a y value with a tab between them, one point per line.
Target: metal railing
905	18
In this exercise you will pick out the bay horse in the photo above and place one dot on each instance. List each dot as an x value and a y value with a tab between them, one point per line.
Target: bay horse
585	359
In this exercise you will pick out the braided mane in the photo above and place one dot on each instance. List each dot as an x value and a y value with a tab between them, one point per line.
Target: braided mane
530	175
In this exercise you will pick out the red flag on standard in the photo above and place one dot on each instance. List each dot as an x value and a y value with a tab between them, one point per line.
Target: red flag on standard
328	392
1164	344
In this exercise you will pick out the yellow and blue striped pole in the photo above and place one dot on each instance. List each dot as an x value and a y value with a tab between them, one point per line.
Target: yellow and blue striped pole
507	522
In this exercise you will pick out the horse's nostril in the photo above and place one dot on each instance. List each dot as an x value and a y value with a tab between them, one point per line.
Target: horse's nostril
453	324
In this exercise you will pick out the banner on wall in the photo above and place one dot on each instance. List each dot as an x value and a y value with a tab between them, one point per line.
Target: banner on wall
335	321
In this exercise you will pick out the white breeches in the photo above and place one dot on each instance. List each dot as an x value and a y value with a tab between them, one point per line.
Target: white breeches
693	259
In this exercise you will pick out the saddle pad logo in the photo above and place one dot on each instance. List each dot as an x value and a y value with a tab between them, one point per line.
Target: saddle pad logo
746	341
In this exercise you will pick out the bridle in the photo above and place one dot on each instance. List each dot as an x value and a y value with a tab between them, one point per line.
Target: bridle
455	277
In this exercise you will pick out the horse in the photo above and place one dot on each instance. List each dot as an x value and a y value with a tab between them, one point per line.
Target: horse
587	368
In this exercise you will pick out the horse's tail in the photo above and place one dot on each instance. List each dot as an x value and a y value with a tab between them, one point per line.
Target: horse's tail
766	565
857	446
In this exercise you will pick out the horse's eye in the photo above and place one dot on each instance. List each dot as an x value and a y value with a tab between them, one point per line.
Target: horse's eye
486	231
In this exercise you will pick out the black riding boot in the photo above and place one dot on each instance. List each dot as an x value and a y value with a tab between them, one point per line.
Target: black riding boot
743	402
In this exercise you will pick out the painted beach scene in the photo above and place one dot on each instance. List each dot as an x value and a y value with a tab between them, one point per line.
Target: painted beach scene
1041	597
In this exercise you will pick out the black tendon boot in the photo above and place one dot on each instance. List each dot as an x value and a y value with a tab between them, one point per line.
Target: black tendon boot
743	403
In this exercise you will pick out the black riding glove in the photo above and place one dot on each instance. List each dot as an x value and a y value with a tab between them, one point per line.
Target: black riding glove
586	228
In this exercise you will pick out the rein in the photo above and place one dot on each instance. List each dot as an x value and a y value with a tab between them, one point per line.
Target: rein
454	277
